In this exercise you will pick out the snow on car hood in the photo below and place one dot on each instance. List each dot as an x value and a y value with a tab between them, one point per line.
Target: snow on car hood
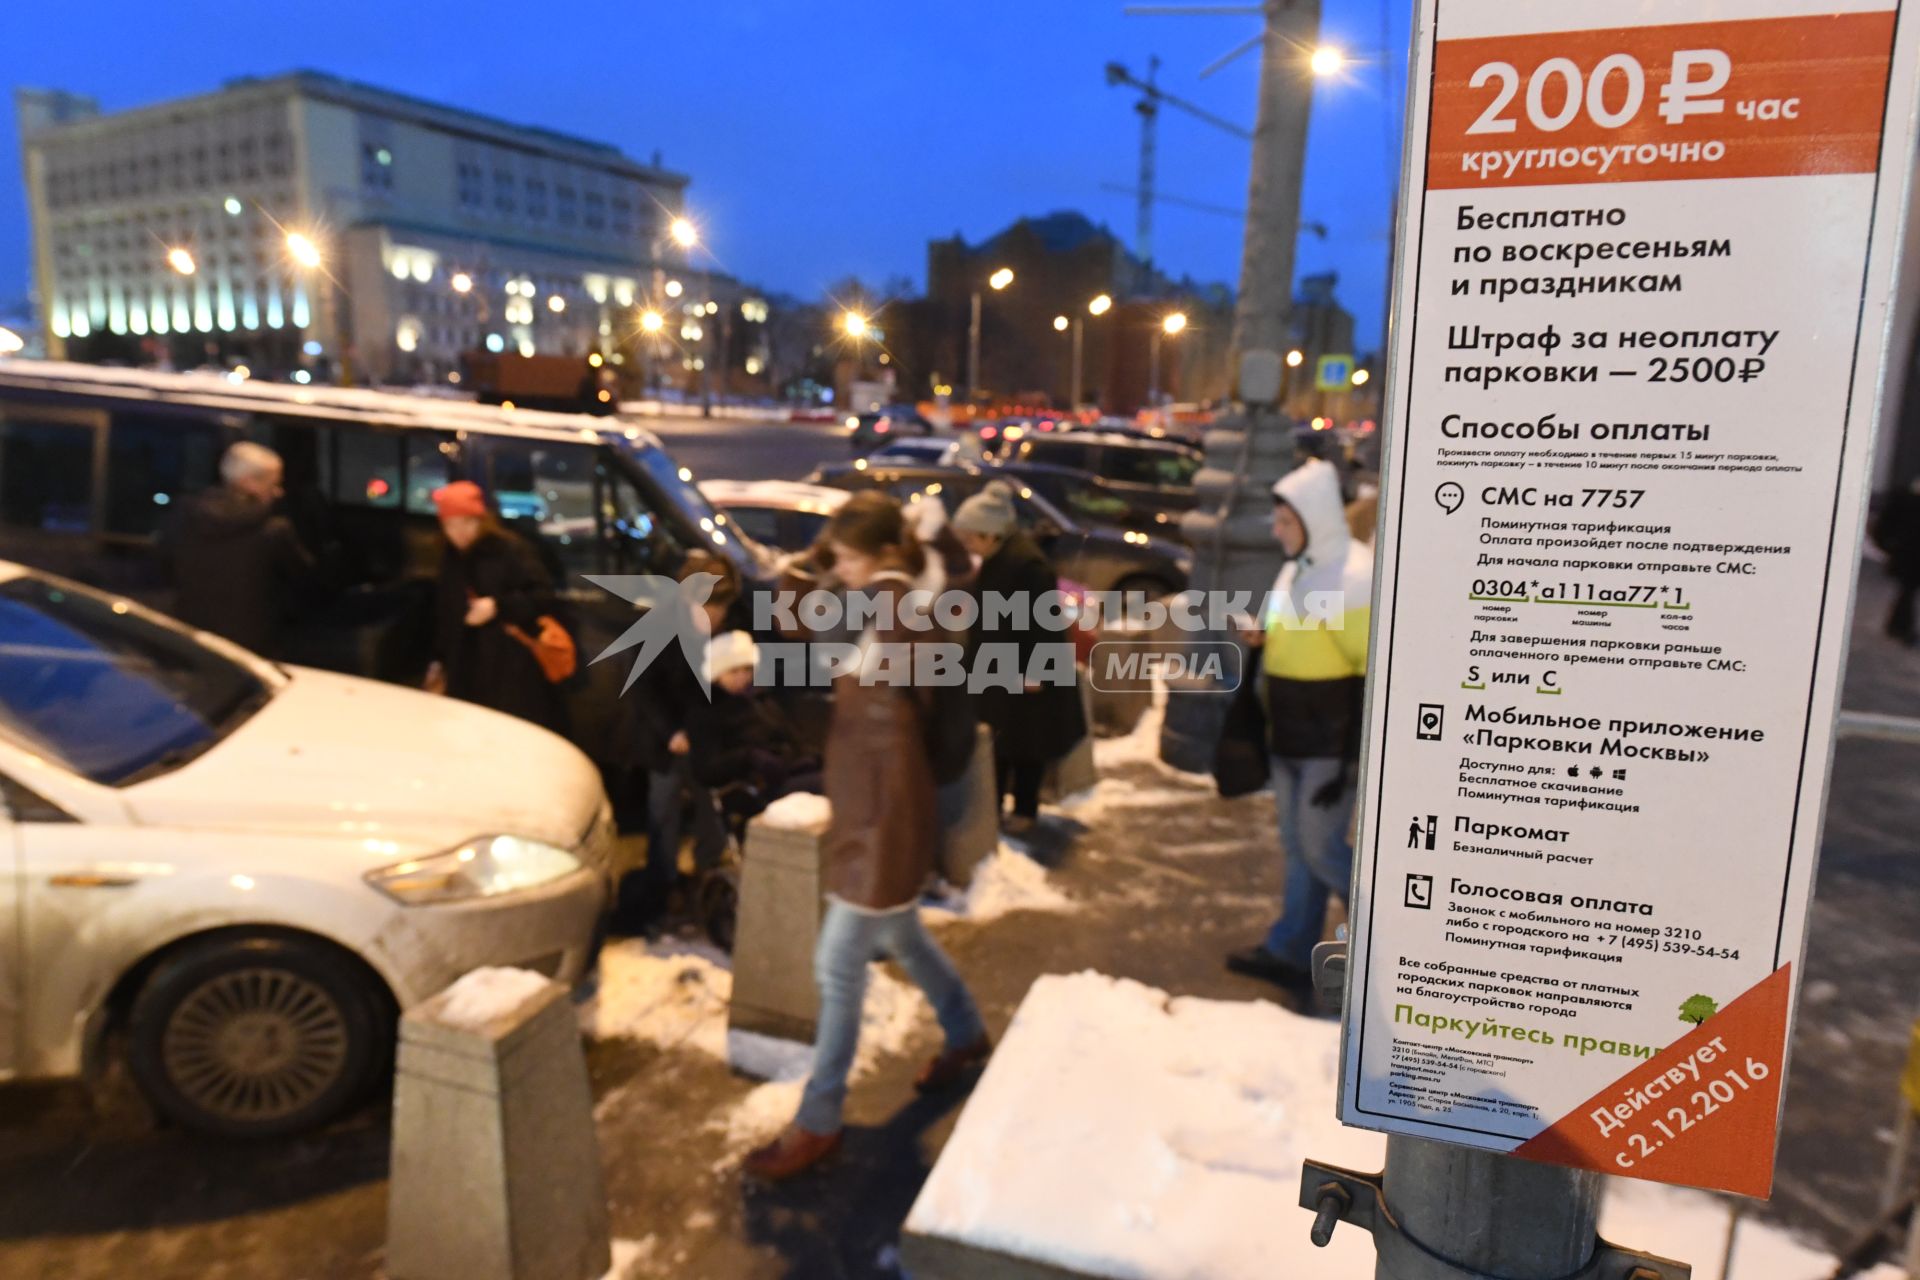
338	755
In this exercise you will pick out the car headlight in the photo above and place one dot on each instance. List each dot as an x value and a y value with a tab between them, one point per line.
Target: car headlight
484	867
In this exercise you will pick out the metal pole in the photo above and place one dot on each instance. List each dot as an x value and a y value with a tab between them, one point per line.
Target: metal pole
973	353
706	347
1153	371
1073	391
1486	1213
1230	528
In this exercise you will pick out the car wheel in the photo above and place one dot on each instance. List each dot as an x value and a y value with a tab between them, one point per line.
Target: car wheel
252	1037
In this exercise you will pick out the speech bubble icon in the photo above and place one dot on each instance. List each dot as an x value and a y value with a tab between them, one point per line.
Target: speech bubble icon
1450	495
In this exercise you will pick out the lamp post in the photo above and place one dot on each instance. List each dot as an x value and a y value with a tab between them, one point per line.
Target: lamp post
1171	325
304	252
685	234
999	280
1098	306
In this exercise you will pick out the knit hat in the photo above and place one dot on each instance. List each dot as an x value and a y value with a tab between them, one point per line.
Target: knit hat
729	651
989	512
461	498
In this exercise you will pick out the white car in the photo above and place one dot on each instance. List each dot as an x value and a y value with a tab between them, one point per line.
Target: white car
786	515
240	874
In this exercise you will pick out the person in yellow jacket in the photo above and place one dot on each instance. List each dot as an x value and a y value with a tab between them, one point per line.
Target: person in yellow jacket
1313	659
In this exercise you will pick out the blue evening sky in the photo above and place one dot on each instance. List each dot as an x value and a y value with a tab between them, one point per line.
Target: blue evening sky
825	138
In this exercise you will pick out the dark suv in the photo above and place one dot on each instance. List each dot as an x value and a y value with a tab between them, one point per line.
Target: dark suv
1102	559
1154	475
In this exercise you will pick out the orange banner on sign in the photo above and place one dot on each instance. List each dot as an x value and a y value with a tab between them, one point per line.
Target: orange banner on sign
1768	98
1702	1111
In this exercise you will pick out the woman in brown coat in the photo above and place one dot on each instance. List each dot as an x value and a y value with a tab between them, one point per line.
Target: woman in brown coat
880	845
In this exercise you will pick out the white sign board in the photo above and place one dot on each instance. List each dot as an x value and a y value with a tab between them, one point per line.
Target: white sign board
1645	259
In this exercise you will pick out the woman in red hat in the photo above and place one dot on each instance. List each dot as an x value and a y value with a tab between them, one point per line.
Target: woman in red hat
491	587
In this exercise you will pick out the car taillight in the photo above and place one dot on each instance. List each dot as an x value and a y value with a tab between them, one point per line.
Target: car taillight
881	428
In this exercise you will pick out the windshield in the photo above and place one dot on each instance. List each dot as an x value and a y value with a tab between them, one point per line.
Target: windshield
112	695
676	483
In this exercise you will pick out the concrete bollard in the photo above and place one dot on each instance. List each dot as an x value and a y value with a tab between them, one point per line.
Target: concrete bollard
495	1165
970	821
781	904
1075	772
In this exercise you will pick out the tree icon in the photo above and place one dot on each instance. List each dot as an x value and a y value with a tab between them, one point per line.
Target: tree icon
1697	1009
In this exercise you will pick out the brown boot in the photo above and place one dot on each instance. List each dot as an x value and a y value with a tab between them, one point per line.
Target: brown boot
794	1152
952	1066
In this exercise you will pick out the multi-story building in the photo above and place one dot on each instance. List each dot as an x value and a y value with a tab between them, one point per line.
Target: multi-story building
1060	263
296	219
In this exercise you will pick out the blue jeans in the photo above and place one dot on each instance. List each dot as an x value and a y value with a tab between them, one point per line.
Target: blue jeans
1319	858
849	941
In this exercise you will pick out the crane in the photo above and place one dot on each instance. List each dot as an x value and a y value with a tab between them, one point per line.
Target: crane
1148	107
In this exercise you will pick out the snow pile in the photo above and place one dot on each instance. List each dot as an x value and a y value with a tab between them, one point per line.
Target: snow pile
1142	744
667	995
485	996
801	811
1006	882
628	1257
676	996
768	1057
894	1011
1122	1133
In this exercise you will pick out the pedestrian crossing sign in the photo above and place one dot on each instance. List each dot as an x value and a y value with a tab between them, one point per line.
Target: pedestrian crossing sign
1333	373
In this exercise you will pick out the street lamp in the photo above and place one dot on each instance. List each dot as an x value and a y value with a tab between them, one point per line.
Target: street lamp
1171	325
652	322
1100	305
1327	61
1294	358
1000	279
854	324
303	250
181	260
461	282
1060	324
1361	377
1096	306
684	233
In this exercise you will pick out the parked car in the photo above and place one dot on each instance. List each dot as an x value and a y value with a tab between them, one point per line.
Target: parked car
934	451
792	516
91	459
1154	475
239	873
1104	559
782	515
868	431
1092	500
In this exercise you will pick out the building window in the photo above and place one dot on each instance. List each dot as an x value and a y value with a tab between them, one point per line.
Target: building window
622	217
376	167
502	191
564	199
537	198
471	184
596	211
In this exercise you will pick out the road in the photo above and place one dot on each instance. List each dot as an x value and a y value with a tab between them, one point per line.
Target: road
747	449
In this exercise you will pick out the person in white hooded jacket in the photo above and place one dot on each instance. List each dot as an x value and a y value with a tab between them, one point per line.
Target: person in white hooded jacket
1313	660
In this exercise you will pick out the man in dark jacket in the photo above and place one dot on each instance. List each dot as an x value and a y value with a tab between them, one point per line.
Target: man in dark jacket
236	562
1038	723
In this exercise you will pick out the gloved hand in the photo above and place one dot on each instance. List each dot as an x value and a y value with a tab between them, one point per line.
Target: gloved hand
1329	792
